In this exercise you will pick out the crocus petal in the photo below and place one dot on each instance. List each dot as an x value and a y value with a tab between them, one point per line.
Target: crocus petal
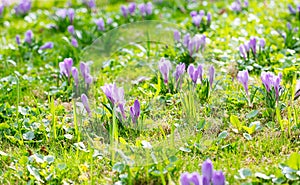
218	178
85	102
75	76
211	75
48	45
207	169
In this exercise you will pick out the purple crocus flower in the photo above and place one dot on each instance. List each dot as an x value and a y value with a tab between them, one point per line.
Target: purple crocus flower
165	67
124	10
71	29
207	169
90	3
246	3
276	84
48	45
194	73
247	47
66	67
291	9
71	15
75	76
201	13
243	78
18	39
28	36
176	35
149	8
180	69
188	179
135	111
289	26
115	96
142	8
262	43
1	9
218	178
23	7
252	44
242	51
208	18
131	8
186	40
193	13
236	6
74	42
62	13
211	75
267	80
85	102
85	72
109	21
197	20
100	23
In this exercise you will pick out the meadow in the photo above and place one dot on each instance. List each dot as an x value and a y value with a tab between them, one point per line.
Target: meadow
150	92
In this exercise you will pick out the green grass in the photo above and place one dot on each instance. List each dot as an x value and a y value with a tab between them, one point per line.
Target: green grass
42	125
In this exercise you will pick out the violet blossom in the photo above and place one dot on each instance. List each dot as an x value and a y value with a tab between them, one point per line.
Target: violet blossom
116	97
75	76
165	67
74	42
85	102
48	45
131	8
176	35
18	39
66	67
243	77
124	10
180	69
71	29
28	36
100	23
85	72
135	111
211	75
23	7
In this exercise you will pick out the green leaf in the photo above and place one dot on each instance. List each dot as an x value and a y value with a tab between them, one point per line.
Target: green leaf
294	161
292	177
234	120
119	167
252	114
262	176
223	135
185	149
279	180
28	135
4	126
49	159
244	173
250	130
62	166
247	136
35	173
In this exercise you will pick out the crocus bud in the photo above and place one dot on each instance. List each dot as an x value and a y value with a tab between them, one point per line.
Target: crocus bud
85	102
207	169
211	75
149	8
75	76
180	69
71	15
135	111
48	45
242	51
193	13
291	9
218	178
165	67
28	36
18	39
267	80
142	8
71	29
100	23
177	35
208	18
262	43
201	13
187	178
74	42
124	10
1	9
131	8
109	21
243	78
